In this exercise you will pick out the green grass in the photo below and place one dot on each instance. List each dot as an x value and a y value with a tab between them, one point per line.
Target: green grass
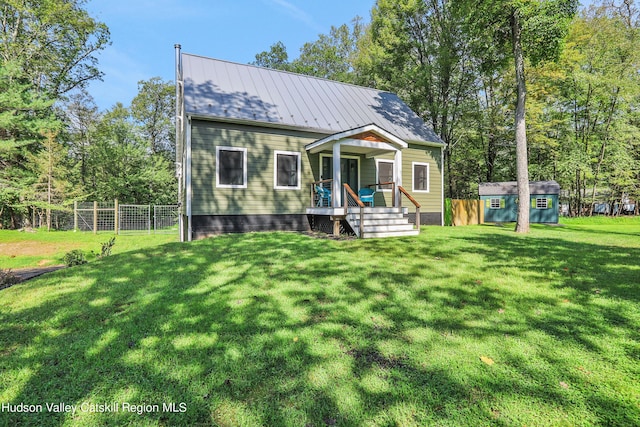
281	329
42	248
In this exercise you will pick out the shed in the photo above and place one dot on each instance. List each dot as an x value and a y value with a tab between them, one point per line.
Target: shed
500	201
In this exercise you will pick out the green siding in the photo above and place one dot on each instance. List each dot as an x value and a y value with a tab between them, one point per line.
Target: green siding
509	209
260	197
431	201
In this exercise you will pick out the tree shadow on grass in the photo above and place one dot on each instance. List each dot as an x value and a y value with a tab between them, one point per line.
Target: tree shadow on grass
277	328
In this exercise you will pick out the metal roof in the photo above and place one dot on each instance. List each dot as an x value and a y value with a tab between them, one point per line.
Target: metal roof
238	92
511	187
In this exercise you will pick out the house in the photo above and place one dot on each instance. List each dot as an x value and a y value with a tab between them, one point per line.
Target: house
261	149
500	201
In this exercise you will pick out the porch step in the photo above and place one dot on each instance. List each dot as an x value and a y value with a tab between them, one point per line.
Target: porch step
381	222
379	234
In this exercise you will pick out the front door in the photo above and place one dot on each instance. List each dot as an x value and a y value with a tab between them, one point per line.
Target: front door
348	171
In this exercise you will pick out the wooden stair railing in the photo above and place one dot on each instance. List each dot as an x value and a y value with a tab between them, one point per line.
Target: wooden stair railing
345	201
415	203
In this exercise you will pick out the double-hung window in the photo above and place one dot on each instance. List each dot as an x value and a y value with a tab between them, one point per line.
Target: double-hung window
231	167
495	203
286	174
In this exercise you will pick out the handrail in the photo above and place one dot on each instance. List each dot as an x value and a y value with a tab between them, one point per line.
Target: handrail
350	192
353	195
393	189
322	181
409	196
415	203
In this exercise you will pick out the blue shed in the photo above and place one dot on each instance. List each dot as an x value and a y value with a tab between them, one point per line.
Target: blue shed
500	201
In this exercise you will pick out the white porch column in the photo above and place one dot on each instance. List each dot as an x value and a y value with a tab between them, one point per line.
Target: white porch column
397	176
336	188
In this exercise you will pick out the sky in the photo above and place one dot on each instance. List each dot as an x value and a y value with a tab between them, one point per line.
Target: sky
144	32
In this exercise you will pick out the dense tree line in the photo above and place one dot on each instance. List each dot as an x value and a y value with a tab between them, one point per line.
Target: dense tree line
454	63
467	67
55	146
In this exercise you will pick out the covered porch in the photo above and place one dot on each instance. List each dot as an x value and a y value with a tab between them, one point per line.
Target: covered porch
342	195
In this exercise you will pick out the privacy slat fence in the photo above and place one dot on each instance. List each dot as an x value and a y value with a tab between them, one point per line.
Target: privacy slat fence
124	218
463	212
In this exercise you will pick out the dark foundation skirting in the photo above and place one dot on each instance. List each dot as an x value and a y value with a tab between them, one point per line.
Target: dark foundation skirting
209	225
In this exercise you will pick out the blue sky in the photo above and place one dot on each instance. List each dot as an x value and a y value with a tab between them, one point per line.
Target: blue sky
143	33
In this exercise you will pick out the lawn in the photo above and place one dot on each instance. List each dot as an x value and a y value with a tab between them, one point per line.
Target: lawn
461	326
44	248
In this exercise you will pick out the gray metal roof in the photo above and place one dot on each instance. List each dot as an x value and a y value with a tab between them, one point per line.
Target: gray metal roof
230	91
511	187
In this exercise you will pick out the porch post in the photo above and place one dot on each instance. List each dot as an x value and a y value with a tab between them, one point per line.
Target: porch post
336	191
397	178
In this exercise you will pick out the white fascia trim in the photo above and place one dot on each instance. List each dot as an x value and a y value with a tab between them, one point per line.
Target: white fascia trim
382	146
317	146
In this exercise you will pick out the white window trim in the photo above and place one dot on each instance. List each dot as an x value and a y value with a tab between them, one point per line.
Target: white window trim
546	203
413	177
491	203
378	161
275	169
244	167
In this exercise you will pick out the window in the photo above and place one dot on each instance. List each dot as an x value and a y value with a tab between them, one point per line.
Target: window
542	204
384	172
421	177
286	174
495	203
231	170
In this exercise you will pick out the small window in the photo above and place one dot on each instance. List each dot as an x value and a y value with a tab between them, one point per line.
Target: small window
421	177
542	204
231	171
496	203
384	171
286	170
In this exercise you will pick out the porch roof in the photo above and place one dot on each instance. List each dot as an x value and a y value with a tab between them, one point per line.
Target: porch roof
370	139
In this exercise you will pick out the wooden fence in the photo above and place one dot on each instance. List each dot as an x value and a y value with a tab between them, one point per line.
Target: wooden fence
463	212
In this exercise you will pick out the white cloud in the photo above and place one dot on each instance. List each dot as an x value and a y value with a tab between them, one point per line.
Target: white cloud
296	13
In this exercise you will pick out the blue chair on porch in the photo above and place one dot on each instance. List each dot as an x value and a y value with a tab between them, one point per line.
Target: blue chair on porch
324	196
366	195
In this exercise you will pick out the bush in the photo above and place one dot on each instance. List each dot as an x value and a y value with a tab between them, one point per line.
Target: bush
7	278
106	247
74	257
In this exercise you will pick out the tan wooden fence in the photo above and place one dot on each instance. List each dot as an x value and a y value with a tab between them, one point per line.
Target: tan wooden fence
467	212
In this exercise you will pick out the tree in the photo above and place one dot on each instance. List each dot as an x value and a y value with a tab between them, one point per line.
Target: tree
56	41
25	117
528	29
47	49
276	57
81	117
419	50
587	105
122	167
153	109
331	56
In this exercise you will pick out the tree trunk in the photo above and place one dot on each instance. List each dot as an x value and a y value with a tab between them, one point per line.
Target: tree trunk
522	164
